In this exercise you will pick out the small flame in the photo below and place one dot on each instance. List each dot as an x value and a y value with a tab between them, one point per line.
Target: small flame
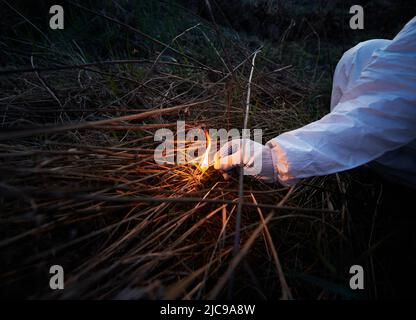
204	164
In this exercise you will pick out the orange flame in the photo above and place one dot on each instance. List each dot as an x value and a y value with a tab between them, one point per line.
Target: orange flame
204	164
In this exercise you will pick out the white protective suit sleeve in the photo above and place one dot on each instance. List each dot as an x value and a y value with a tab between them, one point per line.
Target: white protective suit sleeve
375	115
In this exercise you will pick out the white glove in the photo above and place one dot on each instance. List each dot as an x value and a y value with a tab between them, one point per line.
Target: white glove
257	159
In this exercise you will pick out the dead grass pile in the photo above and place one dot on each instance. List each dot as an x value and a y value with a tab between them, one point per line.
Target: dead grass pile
80	188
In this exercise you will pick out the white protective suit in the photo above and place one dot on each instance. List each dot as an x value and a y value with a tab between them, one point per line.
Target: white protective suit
373	116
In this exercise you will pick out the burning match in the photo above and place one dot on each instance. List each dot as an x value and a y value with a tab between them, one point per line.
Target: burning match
113	125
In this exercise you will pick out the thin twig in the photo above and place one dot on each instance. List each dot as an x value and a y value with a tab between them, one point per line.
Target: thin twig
91	124
241	184
45	85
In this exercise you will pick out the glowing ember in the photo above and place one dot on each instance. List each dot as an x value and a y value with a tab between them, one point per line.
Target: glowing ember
204	164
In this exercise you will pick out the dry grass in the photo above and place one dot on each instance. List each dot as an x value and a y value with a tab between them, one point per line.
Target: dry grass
79	186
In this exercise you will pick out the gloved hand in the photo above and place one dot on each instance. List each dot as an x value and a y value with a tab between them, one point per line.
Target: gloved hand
257	159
